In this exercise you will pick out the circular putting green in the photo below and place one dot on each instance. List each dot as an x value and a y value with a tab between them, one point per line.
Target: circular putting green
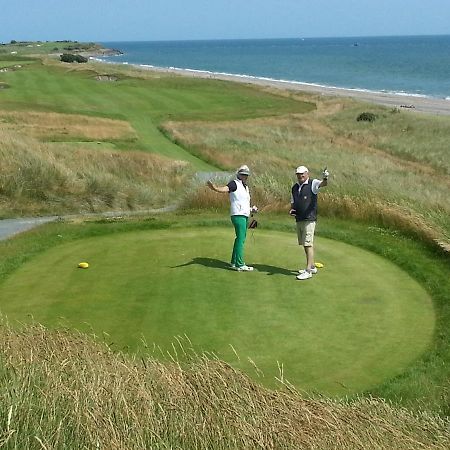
359	321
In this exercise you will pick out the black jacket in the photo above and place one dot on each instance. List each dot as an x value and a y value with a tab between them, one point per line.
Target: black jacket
304	202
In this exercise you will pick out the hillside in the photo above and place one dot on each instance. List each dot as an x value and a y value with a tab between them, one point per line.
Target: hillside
63	390
88	138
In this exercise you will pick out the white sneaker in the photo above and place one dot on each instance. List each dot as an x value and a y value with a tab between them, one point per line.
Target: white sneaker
244	268
233	266
304	275
313	270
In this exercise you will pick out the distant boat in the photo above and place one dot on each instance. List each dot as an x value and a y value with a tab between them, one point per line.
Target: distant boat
355	44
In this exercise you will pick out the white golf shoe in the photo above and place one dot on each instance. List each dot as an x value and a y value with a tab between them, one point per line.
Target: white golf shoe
244	268
313	270
305	275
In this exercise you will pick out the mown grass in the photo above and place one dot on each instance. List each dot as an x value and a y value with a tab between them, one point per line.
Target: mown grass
144	103
186	287
62	390
422	386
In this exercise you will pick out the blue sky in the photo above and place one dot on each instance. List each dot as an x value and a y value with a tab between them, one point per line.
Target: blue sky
129	20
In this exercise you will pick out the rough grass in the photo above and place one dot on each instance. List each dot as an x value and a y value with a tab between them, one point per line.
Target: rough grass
367	182
63	390
36	177
64	127
419	138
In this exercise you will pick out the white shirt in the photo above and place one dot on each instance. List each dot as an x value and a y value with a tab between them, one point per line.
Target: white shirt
240	200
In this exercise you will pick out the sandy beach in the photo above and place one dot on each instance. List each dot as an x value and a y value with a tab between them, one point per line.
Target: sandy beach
404	102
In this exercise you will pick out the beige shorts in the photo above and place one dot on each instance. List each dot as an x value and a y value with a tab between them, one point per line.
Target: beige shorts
305	232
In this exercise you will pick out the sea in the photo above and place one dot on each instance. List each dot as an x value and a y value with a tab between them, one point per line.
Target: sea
406	65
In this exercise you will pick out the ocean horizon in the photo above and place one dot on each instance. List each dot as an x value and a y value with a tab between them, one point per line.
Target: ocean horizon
405	65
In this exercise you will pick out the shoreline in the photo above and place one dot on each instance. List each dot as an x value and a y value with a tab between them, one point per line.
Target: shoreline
407	102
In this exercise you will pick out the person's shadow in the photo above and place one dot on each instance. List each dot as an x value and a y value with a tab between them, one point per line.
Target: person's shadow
207	262
218	264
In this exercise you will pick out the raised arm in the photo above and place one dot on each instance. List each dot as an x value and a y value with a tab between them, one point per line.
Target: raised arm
221	189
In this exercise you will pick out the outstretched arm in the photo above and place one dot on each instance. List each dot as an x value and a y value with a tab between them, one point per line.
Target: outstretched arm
221	189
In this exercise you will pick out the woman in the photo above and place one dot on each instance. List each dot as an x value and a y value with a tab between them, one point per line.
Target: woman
240	212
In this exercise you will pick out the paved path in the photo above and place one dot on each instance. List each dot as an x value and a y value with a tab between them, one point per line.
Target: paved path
10	227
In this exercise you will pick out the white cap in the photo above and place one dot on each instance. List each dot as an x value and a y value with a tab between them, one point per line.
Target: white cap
301	169
243	170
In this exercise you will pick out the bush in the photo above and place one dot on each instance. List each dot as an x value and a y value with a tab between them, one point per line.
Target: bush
366	117
68	57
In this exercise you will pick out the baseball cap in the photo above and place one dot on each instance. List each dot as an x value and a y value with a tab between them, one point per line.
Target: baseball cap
301	169
243	170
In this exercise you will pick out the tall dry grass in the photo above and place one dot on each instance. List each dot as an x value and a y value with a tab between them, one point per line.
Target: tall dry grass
367	183
49	126
62	390
421	138
41	178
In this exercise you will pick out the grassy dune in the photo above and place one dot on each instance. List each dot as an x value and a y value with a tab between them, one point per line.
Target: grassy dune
49	178
62	390
373	178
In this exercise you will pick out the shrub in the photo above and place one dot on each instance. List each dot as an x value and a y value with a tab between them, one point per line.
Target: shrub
366	117
68	57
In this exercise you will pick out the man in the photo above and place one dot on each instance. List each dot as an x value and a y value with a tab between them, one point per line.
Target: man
304	208
240	212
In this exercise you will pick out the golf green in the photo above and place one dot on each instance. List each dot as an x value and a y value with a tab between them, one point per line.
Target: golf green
359	321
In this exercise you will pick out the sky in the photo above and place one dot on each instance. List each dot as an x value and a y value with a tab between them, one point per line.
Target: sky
154	20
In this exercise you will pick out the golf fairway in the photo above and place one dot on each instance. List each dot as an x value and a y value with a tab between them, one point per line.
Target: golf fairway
359	321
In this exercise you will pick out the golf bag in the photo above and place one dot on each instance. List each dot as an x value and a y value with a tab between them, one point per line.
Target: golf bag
253	223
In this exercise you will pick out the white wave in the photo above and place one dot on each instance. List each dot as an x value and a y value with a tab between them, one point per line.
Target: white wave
275	80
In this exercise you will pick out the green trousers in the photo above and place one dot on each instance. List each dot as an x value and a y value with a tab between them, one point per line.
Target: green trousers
240	227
